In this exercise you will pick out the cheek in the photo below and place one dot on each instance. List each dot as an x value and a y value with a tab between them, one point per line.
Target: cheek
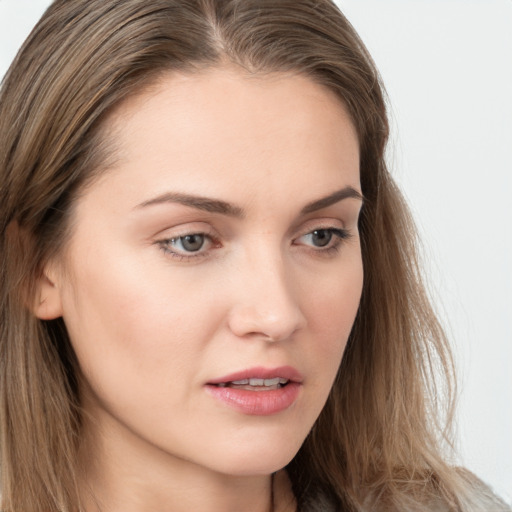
138	343
137	326
331	312
332	305
113	313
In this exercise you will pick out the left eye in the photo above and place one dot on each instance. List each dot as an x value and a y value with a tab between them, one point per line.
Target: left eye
191	243
323	237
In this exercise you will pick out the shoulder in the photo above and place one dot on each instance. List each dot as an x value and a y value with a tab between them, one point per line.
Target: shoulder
474	496
479	496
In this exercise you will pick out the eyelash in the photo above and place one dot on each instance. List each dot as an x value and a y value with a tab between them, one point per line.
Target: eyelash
168	242
338	237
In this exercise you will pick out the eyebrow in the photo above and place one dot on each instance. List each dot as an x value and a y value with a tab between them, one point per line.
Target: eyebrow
335	197
224	208
201	203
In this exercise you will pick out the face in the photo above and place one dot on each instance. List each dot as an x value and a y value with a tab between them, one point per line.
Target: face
214	273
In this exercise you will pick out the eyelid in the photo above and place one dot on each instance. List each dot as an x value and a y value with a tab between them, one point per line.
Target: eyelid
316	223
340	233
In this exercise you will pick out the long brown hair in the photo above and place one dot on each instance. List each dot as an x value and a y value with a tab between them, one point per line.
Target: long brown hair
377	443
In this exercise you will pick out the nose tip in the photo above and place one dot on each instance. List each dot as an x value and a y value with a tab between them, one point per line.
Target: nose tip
269	309
271	324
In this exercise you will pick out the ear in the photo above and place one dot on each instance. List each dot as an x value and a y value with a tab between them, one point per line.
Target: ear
48	303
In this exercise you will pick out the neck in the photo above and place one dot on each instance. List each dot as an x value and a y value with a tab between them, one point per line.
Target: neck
130	493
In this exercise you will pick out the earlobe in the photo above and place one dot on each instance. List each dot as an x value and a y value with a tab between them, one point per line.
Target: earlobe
48	304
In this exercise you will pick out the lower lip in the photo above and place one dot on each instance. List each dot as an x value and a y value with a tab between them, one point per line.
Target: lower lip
257	403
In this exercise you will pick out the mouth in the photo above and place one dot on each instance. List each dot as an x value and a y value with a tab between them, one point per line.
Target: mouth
258	391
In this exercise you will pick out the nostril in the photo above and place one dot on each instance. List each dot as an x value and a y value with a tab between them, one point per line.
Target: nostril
270	327
265	303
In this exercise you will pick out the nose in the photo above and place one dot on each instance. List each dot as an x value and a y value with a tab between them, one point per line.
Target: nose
266	302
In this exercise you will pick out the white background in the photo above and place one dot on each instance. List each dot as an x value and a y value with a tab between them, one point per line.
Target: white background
447	65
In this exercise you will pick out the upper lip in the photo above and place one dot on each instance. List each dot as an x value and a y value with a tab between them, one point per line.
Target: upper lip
260	372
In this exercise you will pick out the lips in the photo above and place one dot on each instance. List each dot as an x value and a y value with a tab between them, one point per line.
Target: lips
258	391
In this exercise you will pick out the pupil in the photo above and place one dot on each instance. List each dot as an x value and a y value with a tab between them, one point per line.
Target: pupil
192	243
321	237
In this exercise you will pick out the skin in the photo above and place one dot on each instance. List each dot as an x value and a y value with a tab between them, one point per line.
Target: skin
151	323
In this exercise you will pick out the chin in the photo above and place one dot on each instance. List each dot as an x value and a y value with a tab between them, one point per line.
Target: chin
262	458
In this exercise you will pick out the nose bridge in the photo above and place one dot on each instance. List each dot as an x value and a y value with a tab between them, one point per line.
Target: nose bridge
266	302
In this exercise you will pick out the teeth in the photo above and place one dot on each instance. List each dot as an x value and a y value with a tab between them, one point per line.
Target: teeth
257	382
242	382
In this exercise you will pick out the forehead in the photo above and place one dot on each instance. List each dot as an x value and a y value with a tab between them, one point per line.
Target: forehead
236	137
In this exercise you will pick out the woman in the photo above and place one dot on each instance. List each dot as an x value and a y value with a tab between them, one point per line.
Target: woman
210	298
